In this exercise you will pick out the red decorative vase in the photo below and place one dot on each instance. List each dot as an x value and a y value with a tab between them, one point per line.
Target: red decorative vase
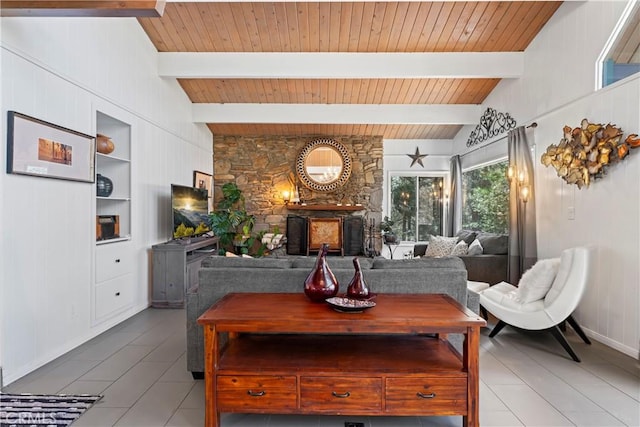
321	284
357	287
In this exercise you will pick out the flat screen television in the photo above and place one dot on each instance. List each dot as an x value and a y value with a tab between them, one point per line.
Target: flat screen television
190	211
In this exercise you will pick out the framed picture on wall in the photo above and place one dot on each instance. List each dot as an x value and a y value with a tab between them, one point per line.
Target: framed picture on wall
204	180
39	148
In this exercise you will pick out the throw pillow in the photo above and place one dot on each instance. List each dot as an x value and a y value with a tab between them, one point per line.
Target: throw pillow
536	281
475	248
419	249
460	248
494	244
467	235
440	246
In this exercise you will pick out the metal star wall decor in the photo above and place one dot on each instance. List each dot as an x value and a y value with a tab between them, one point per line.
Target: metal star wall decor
417	158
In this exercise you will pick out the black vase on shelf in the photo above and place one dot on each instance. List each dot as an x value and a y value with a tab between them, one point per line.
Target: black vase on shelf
104	186
321	284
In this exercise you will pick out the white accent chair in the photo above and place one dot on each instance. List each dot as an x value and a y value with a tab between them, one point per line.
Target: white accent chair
550	312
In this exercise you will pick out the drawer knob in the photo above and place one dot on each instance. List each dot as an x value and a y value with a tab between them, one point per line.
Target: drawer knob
117	260
256	393
117	294
341	395
426	395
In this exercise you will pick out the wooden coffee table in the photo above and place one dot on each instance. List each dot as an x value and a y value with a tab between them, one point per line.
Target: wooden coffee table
285	354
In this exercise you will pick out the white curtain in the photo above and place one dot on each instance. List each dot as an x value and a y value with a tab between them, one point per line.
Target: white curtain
523	252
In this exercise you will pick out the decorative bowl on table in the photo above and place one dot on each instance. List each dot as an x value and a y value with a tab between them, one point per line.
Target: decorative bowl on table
349	305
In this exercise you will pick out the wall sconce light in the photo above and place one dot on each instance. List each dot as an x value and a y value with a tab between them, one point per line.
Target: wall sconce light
524	193
511	172
286	197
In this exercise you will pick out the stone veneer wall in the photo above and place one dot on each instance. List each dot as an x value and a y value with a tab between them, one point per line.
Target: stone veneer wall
262	166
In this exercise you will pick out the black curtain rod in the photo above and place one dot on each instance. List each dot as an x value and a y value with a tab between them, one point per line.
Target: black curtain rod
532	125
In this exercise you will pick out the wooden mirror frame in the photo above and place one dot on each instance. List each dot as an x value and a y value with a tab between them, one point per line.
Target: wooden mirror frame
310	183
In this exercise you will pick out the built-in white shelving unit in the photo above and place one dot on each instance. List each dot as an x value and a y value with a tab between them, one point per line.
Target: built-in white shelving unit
117	167
114	289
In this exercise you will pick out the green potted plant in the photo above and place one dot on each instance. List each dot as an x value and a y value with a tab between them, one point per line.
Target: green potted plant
230	221
387	231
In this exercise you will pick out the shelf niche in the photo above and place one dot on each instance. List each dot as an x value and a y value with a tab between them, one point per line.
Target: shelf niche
117	167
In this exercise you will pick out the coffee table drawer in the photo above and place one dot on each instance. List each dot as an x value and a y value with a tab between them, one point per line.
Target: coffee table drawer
445	396
340	395
255	393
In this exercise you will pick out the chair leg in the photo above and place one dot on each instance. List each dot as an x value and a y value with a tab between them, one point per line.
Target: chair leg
483	313
563	326
557	333
497	328
578	329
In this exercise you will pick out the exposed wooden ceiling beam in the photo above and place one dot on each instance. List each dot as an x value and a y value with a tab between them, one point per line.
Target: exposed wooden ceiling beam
95	8
341	65
434	114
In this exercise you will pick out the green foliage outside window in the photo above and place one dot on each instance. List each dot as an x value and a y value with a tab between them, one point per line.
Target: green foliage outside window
485	204
416	206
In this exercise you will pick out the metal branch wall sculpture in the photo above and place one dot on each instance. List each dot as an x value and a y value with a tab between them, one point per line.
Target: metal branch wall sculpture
584	152
492	123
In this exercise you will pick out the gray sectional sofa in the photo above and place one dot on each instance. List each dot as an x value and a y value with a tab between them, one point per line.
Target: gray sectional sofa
490	266
221	275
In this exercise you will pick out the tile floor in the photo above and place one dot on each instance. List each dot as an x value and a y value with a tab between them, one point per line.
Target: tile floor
526	380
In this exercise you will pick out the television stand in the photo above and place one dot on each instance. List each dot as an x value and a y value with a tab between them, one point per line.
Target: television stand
175	268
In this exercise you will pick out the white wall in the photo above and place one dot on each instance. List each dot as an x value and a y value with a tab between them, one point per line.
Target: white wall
607	216
396	160
62	70
557	89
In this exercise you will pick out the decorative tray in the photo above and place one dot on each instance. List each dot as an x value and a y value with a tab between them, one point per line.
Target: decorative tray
349	305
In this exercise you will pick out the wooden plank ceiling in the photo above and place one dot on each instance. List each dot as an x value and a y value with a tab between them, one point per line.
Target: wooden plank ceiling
346	27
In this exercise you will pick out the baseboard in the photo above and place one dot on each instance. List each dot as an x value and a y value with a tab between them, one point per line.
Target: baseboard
629	351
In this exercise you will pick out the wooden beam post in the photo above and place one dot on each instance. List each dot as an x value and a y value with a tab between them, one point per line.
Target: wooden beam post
77	8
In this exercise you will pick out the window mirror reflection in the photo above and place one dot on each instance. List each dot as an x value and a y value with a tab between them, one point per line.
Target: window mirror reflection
324	165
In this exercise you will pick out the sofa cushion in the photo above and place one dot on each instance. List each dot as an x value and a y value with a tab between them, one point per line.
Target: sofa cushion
491	269
338	263
440	246
417	263
494	244
467	235
506	295
221	261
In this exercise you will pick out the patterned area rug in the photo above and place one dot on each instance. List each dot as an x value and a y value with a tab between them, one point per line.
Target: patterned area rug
21	410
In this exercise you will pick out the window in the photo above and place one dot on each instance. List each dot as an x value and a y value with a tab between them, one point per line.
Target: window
621	55
416	206
485	198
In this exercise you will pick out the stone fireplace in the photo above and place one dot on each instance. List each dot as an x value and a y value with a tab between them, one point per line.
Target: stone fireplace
263	167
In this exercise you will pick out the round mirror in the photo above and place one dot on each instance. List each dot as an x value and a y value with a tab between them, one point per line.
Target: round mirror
323	165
